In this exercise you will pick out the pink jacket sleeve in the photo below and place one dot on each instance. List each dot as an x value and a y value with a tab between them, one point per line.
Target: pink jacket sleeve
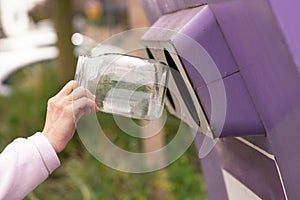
24	164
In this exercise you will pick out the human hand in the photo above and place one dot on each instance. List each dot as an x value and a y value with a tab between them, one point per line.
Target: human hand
63	111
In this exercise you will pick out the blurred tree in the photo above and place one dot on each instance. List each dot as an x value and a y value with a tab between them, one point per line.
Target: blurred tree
137	19
136	15
66	62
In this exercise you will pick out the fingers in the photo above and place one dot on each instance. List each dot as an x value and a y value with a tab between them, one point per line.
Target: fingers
80	92
83	102
67	89
72	101
83	106
64	110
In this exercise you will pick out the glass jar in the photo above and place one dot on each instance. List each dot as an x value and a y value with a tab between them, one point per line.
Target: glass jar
125	85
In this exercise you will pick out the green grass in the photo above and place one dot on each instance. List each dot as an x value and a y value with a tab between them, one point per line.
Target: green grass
81	176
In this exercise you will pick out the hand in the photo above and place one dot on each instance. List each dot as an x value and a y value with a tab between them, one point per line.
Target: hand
64	110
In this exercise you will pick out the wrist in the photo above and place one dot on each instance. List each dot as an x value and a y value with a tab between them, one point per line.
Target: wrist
52	142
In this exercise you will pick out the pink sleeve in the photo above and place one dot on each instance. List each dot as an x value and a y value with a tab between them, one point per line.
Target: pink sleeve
24	164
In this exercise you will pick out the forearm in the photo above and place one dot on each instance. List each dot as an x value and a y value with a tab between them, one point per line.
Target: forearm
24	164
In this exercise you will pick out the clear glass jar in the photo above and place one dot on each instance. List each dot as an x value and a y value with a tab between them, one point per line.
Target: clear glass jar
125	85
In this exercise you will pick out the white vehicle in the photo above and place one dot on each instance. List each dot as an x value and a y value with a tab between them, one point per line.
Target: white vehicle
24	42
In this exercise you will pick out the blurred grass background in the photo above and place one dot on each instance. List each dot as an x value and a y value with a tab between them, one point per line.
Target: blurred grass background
81	176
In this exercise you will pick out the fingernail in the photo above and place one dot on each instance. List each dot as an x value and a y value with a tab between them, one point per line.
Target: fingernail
97	109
